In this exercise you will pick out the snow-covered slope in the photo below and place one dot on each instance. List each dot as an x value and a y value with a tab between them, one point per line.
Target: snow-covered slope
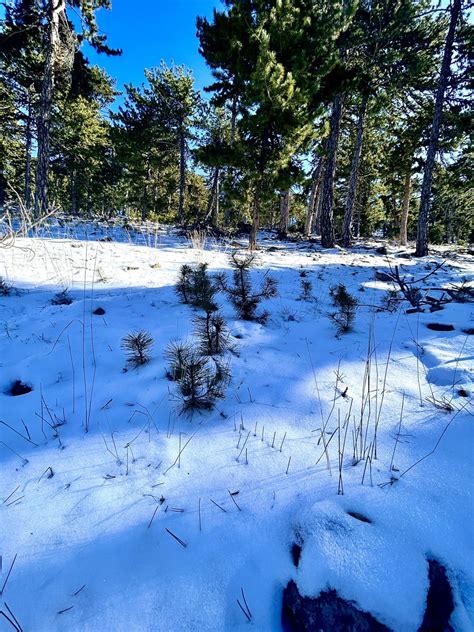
89	519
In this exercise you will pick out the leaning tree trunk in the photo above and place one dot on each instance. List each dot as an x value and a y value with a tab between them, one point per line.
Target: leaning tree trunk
28	143
313	197
352	192
405	209
55	9
422	233
284	214
182	173
326	218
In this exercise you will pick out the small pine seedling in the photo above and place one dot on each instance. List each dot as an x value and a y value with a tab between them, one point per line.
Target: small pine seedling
306	289
5	288
213	334
200	380
137	347
346	306
391	300
62	298
242	295
195	287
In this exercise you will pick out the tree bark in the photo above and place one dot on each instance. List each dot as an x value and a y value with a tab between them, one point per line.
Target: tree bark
28	143
422	233
231	171
405	209
182	174
215	214
255	222
313	197
55	9
284	214
73	192
352	192
326	219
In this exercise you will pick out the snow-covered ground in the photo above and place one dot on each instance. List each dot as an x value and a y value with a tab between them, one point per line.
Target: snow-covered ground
88	518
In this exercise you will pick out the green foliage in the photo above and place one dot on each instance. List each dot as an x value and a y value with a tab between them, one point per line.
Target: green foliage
346	307
242	295
62	298
306	290
138	347
167	155
212	333
195	287
5	288
201	381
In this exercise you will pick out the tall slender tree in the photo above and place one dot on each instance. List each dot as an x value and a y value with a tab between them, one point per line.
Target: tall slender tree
422	233
60	45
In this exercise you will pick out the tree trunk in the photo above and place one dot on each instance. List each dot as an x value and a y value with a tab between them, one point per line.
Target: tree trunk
352	192
326	219
215	214
28	142
405	209
316	227
313	197
255	222
422	233
145	196
182	173
231	171
284	214
73	193
55	9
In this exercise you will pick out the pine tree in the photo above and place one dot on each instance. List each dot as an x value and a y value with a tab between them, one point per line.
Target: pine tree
59	56
274	58
422	234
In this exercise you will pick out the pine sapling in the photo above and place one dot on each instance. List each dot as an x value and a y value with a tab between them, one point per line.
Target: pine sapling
137	347
5	288
346	306
178	354
196	287
242	295
62	298
212	333
201	381
306	289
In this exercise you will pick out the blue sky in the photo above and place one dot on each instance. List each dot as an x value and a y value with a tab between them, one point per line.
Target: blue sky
149	31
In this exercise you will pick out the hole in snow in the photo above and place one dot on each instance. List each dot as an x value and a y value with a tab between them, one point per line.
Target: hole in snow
296	553
359	516
18	388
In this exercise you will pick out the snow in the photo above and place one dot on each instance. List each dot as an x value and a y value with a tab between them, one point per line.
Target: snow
93	537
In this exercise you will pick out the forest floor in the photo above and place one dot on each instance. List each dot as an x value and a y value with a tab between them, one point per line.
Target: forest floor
89	520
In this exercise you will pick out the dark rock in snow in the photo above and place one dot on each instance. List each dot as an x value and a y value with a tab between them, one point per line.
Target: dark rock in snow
439	601
99	311
382	250
440	327
469	331
326	613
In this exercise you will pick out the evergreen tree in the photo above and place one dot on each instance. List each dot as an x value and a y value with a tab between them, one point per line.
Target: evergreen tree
422	233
